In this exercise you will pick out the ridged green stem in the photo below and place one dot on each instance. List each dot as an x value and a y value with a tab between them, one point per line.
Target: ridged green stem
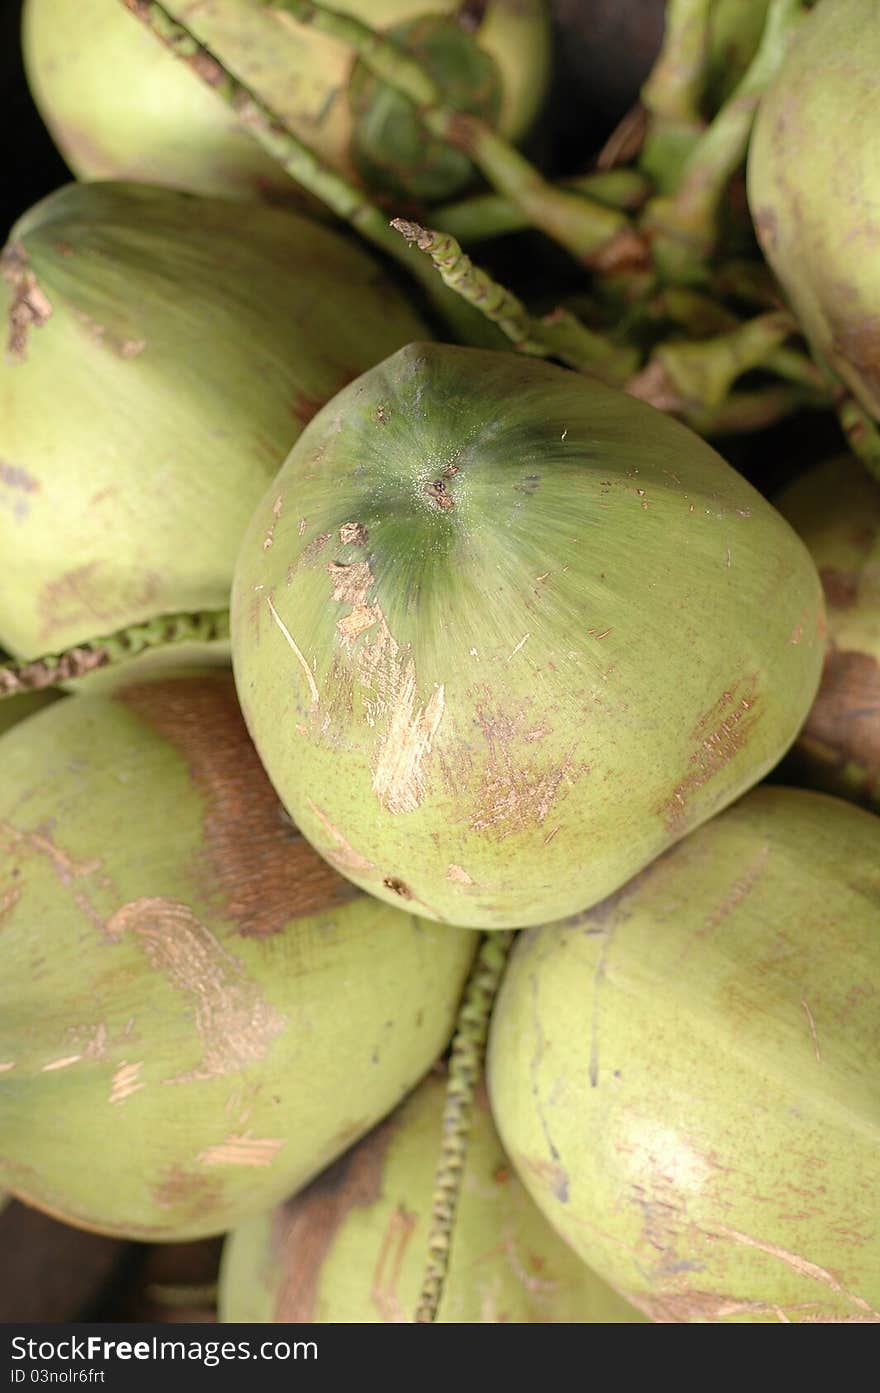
465	1070
482	216
685	223
598	236
301	163
558	335
162	632
673	92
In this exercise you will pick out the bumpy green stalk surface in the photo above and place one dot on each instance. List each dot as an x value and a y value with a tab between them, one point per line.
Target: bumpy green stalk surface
163	632
558	335
465	1071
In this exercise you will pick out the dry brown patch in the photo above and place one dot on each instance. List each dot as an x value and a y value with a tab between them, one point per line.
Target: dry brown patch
306	1227
256	864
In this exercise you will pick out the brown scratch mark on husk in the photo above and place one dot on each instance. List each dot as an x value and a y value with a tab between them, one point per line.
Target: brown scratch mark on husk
9	899
458	874
189	1192
517	790
310	554
389	1264
269	539
64	866
243	1150
720	734
390	692
306	1227
235	1024
342	852
6	1065
738	892
801	1265
683	1307
30	307
126	1081
266	876
812	1024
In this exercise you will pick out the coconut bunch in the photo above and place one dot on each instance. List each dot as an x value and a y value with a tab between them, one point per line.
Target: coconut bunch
512	646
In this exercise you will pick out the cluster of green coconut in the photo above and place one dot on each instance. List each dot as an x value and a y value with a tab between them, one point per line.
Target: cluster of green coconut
511	649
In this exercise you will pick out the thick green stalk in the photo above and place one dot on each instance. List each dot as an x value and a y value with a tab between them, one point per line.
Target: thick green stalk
673	92
685	223
482	216
162	632
558	335
465	1071
684	377
596	235
302	164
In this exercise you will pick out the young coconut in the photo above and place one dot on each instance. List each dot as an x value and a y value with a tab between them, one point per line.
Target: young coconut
502	634
196	1013
351	1247
814	187
711	1145
119	106
160	364
835	508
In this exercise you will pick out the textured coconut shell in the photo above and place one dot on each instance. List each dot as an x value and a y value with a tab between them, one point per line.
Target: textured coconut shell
710	1140
814	186
835	508
351	1247
163	353
512	633
123	107
196	1013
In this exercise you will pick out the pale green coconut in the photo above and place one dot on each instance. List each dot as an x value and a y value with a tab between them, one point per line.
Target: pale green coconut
686	1077
196	1013
502	634
163	353
120	106
814	187
835	508
352	1247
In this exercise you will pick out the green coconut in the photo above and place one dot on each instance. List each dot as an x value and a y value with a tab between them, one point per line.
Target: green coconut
196	1013
120	106
18	708
686	1077
814	187
835	508
352	1247
502	634
162	357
